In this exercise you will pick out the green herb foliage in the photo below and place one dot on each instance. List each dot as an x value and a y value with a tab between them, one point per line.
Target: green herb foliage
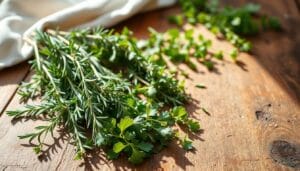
229	21
105	92
179	47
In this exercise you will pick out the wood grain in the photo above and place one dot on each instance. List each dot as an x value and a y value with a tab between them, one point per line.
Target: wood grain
10	78
254	106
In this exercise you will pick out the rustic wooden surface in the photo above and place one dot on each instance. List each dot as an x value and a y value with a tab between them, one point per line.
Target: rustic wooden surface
254	105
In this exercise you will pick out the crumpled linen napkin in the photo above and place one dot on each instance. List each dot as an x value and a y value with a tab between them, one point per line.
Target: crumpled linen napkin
19	18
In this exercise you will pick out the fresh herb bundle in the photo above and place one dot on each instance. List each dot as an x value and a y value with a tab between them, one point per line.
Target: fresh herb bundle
229	21
100	87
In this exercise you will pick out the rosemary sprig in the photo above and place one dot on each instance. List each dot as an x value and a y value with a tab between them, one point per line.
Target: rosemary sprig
105	91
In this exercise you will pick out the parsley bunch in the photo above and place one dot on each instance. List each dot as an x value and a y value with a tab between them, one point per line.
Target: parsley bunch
179	47
229	21
105	92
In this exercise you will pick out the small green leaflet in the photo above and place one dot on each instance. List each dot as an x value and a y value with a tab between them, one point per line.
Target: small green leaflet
179	113
205	111
236	21
125	123
177	19
166	131
234	54
151	91
78	156
27	135
118	147
200	86
219	55
37	149
136	156
99	139
187	144
147	147
112	155
173	33
193	125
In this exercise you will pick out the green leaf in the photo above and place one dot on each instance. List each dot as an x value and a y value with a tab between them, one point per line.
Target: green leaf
236	21
274	23
130	135
191	65
78	156
151	91
234	54
173	33
37	149
252	8
187	144
125	123
118	147
209	65
136	156
14	113
179	113
112	155
113	122
131	102
40	127
27	136
193	125
100	140
126	31
147	147
200	86
189	34
205	111
177	19
166	132
246	47
219	55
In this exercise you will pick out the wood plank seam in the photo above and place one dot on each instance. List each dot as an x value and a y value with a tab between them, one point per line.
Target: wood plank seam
63	154
13	94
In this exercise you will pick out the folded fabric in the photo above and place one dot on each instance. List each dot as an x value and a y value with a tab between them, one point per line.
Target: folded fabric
19	18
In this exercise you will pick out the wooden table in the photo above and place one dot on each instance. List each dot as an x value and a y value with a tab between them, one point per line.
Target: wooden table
254	106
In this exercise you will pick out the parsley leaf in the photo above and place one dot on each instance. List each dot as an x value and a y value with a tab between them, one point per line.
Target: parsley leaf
136	156
118	147
187	144
125	123
147	147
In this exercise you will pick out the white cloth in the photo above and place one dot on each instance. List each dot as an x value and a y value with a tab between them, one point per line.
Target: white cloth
19	18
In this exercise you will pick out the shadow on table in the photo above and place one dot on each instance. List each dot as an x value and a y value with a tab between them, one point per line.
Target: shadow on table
51	149
279	54
96	159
